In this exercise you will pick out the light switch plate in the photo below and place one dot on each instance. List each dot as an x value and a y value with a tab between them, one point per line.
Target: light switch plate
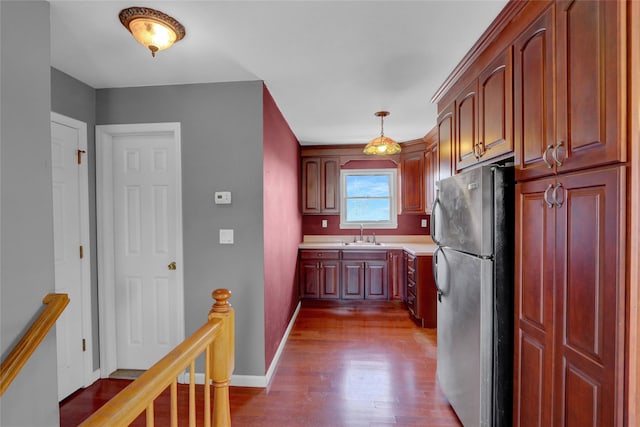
324	223
226	237
423	222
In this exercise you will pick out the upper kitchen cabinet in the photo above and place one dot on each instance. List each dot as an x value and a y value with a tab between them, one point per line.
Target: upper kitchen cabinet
412	181
467	126
445	128
484	115
430	169
589	55
495	106
320	185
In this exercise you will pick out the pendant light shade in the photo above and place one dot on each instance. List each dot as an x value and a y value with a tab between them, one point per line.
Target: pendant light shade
151	28
382	144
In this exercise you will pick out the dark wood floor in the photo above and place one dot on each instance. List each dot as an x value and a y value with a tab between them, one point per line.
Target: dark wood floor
358	365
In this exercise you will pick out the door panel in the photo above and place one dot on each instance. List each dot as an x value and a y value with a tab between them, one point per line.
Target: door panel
534	304
145	222
376	280
533	98
467	126
590	306
590	68
65	144
330	279
352	280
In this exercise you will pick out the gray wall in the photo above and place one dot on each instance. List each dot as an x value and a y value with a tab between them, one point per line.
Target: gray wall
221	151
26	252
74	99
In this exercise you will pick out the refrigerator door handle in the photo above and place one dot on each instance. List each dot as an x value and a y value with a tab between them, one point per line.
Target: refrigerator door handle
432	230
434	266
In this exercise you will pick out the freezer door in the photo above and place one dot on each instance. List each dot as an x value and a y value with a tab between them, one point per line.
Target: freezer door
462	216
465	323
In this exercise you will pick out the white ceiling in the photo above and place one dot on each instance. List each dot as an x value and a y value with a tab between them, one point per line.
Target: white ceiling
328	64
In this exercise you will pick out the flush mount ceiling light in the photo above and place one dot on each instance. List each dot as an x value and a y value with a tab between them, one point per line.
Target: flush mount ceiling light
382	144
153	29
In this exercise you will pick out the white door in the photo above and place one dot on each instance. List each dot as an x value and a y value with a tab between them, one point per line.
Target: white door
71	249
144	201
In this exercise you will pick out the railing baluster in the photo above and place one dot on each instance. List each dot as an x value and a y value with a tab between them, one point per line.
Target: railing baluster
174	403
207	387
192	394
150	415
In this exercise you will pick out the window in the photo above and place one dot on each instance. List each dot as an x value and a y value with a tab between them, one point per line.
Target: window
368	198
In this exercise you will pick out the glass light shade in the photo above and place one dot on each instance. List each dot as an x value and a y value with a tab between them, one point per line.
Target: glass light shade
153	29
382	145
152	34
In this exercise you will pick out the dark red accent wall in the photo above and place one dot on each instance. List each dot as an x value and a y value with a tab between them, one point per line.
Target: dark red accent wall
282	224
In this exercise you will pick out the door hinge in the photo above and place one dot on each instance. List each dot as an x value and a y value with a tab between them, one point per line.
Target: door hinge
81	252
84	344
80	153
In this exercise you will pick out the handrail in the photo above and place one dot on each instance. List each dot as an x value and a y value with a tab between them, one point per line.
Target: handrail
215	339
11	366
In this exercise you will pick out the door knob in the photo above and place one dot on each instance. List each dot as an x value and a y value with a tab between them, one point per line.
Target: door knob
172	266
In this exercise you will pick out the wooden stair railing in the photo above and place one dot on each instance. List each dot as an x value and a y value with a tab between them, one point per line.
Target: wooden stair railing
11	366
216	340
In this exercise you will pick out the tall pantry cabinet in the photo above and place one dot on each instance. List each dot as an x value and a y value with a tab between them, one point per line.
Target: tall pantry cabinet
570	217
563	67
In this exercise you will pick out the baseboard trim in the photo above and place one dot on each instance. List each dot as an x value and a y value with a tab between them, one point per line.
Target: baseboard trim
258	381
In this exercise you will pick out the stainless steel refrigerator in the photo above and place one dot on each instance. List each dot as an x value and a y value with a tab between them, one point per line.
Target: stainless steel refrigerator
472	224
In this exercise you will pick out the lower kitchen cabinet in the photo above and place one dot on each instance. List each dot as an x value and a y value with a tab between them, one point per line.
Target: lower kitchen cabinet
569	303
395	263
364	275
421	290
320	274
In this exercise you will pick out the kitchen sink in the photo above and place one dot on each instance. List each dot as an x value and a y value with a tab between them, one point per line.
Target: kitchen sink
363	244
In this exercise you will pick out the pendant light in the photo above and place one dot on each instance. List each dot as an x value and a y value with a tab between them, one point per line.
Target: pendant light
382	144
153	29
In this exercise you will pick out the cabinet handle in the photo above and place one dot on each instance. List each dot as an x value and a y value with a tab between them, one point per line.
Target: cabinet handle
546	196
554	153
557	202
544	156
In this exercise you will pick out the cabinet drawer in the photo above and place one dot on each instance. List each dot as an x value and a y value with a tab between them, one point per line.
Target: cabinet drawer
411	273
365	255
313	254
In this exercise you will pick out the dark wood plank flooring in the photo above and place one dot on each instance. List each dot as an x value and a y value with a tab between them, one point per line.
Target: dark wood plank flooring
344	365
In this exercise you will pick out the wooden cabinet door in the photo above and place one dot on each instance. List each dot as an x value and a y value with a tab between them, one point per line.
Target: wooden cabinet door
413	183
590	290
533	341
309	279
430	176
533	99
311	185
495	108
330	185
466	148
329	287
352	280
376	280
320	185
590	69
446	134
396	275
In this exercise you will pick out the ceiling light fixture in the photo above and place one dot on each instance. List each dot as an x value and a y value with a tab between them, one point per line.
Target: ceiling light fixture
153	29
382	144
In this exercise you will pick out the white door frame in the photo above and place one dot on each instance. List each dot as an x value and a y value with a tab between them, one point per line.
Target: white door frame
106	230
85	273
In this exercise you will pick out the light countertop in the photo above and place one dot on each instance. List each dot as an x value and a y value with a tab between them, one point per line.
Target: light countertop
416	245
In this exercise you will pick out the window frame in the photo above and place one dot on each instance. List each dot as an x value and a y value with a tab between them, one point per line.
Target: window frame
392	173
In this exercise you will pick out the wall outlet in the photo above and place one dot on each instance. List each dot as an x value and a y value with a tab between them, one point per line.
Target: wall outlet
423	223
226	237
324	223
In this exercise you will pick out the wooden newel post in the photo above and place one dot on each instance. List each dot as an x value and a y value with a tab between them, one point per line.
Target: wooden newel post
222	357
